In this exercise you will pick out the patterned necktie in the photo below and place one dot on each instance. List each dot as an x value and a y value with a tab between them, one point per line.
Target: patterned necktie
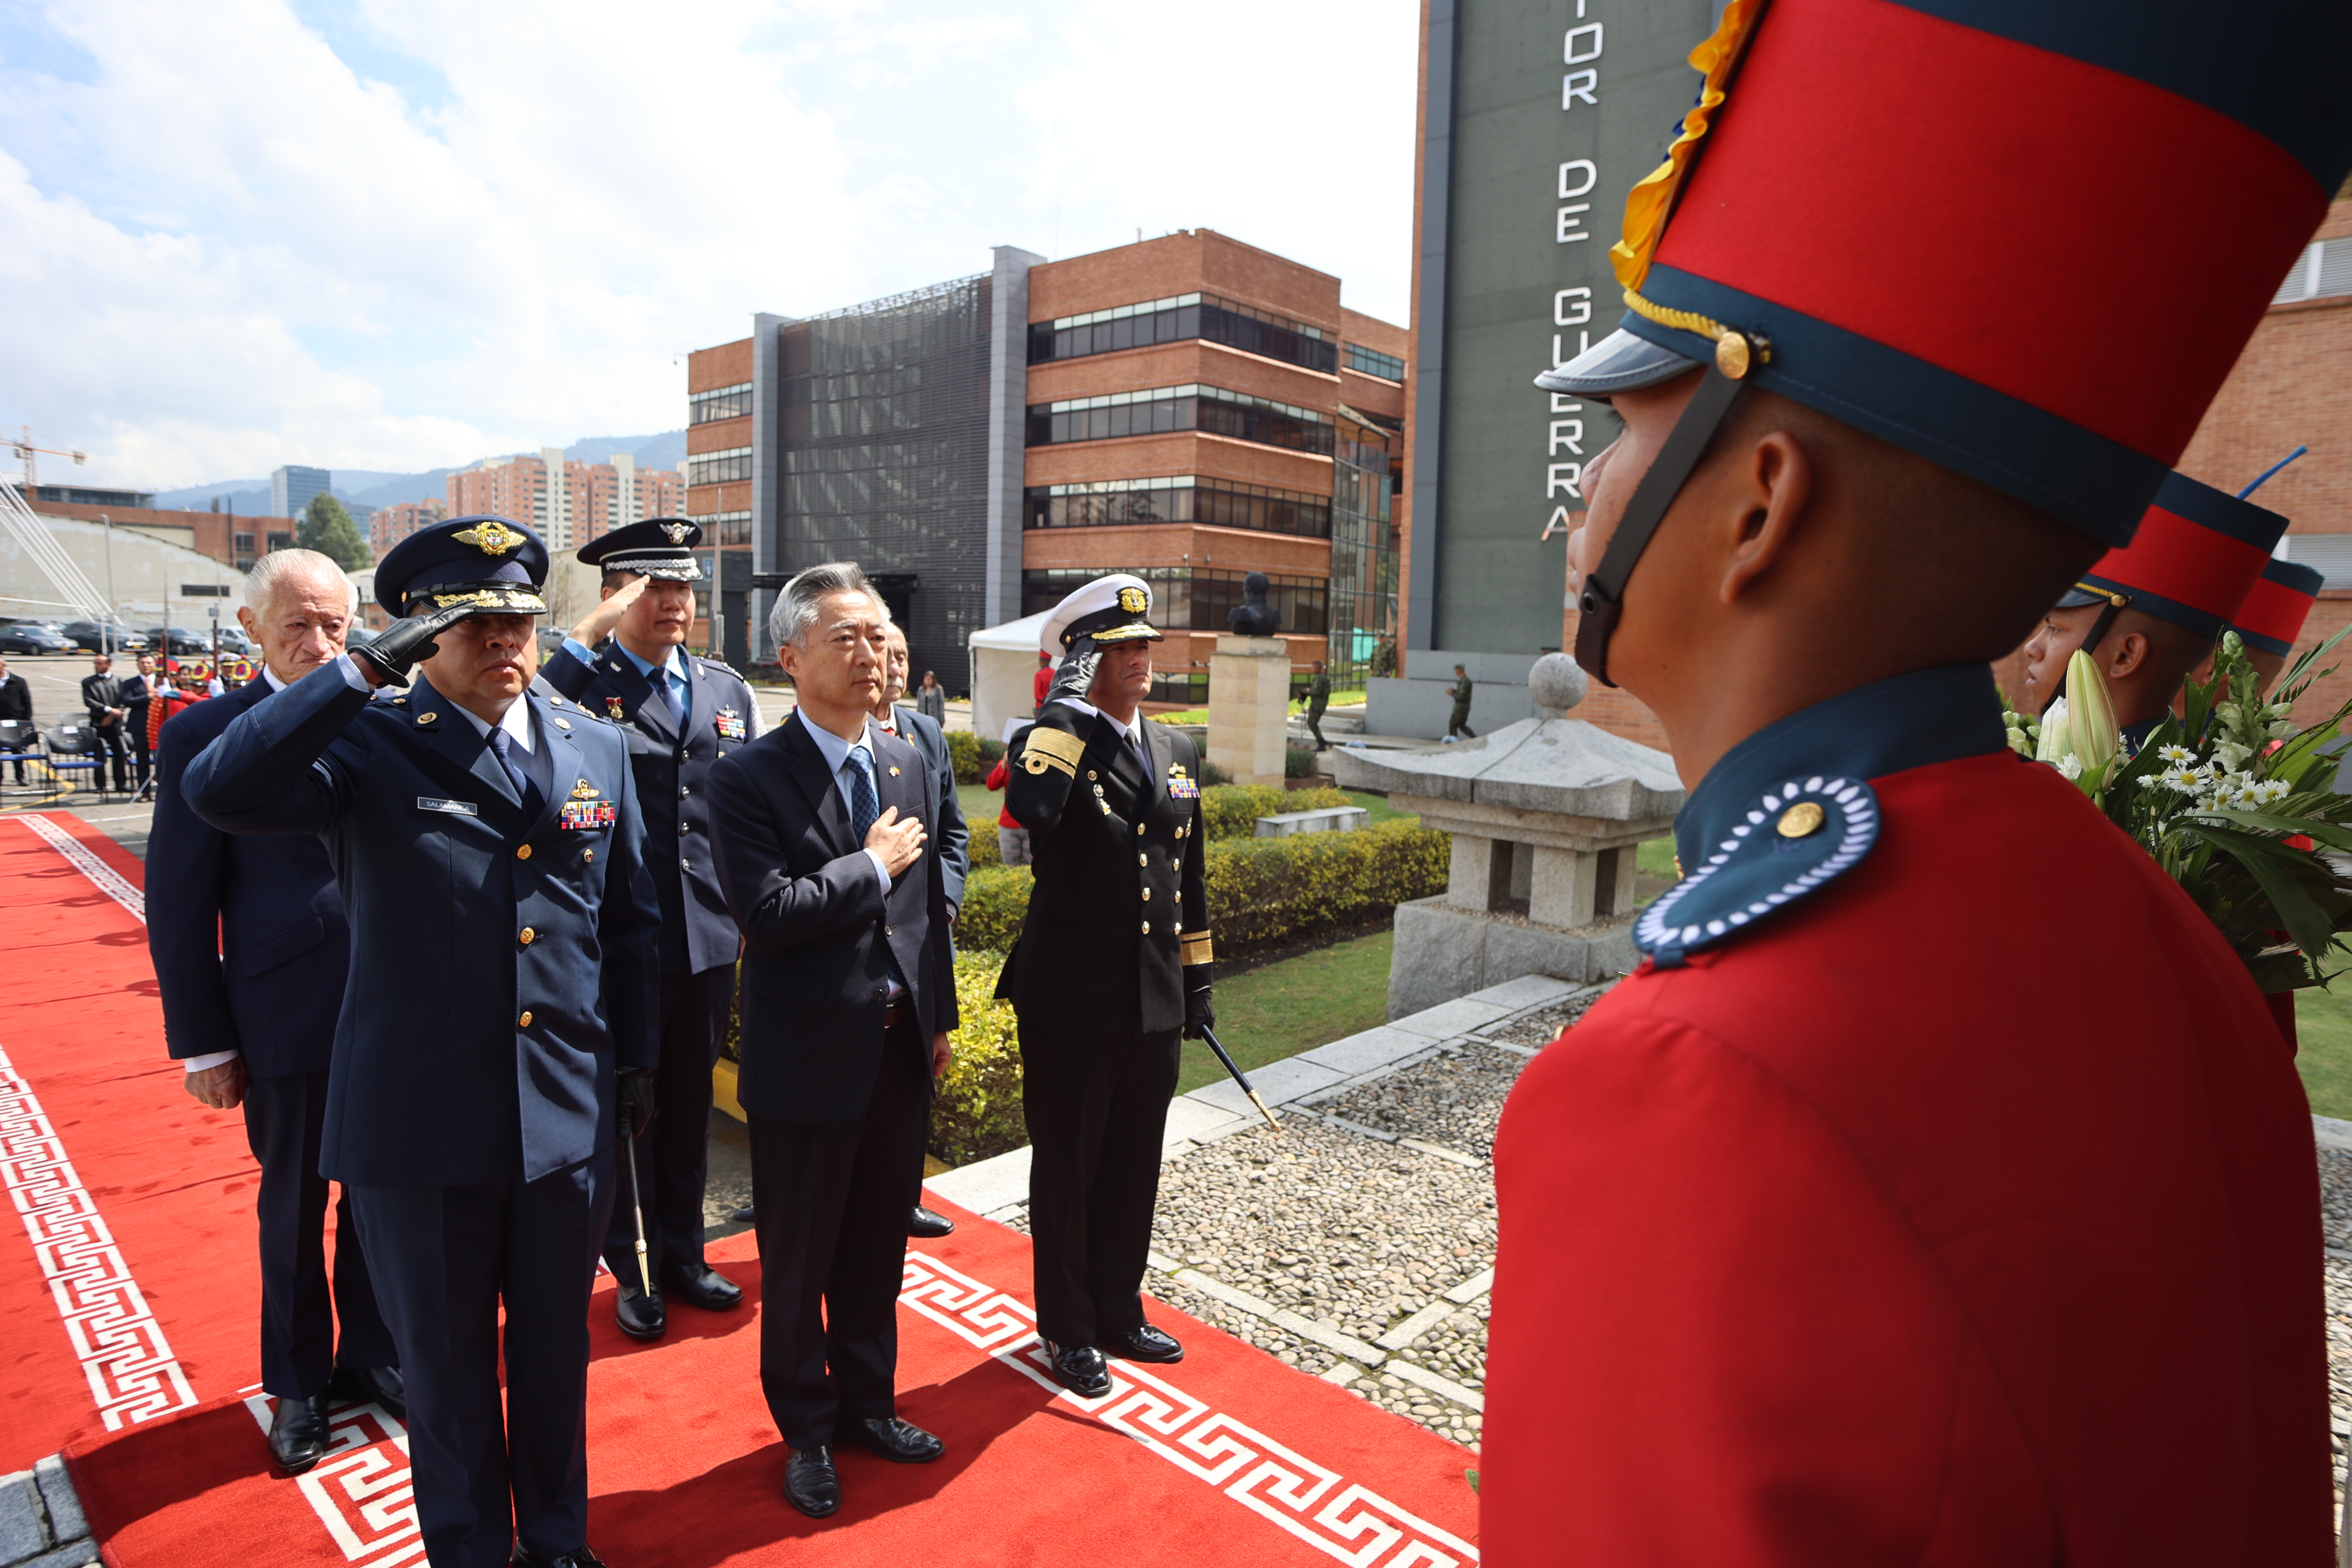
864	806
503	744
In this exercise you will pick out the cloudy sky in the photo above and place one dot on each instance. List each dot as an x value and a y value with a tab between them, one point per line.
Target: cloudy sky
399	233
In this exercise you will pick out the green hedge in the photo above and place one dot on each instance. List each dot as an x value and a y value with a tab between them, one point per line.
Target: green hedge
1263	892
977	1111
963	751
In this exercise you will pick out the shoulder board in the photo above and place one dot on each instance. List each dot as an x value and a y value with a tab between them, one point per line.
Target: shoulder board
717	665
1789	843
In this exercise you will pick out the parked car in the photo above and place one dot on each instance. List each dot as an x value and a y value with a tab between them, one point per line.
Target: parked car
33	636
99	635
184	641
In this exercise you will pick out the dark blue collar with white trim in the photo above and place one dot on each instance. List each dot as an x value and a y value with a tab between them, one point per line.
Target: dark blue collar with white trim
1788	809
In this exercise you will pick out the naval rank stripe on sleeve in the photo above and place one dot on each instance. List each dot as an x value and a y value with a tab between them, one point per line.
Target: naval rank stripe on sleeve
1052	749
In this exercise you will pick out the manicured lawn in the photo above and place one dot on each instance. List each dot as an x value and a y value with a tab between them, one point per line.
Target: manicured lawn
979	805
1655	858
1294	1006
1377	804
2323	1027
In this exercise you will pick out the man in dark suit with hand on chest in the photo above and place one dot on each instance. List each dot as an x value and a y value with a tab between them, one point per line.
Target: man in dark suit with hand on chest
848	998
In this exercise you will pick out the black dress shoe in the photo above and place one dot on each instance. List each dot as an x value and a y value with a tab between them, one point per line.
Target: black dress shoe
642	1317
811	1484
584	1558
1078	1368
379	1386
900	1442
298	1433
740	1216
702	1285
1148	1343
930	1224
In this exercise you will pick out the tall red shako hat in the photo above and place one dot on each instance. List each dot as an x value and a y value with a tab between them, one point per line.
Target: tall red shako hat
2272	615
1928	219
2197	554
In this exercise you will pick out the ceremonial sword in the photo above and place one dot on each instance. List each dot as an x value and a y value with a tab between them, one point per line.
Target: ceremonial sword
637	1205
1239	1076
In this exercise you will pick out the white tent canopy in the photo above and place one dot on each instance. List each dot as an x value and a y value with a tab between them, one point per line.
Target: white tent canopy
1004	666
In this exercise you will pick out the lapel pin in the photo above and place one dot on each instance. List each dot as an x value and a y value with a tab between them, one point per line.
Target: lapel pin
427	717
893	770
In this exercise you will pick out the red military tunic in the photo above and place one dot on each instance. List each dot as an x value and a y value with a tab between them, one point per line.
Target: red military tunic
1963	1211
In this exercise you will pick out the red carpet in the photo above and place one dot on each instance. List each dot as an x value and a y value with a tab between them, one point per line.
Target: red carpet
1227	1457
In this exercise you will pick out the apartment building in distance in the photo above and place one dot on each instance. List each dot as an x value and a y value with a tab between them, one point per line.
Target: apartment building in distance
390	525
586	500
1188	409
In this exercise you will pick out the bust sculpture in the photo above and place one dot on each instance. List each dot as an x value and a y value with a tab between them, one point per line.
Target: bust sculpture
1254	617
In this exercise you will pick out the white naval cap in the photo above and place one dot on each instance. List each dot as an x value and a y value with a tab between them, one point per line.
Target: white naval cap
1116	608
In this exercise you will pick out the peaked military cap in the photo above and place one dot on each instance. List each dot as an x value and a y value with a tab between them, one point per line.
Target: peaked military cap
657	547
2198	552
2272	615
1117	608
1824	224
495	562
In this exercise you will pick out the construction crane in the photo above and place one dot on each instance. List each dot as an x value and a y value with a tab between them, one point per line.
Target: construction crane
75	590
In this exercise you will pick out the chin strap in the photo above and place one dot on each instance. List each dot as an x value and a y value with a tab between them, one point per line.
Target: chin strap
1603	595
2099	629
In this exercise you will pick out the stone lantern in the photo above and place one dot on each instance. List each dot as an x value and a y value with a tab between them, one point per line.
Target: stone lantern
1545	816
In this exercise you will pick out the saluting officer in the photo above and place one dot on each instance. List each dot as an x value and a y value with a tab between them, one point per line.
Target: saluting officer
485	833
627	662
1112	966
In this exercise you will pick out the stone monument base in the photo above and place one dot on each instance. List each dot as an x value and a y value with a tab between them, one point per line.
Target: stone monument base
1445	951
1249	708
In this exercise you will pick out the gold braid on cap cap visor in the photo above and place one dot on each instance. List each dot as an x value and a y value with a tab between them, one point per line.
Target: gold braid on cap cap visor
1737	352
2118	600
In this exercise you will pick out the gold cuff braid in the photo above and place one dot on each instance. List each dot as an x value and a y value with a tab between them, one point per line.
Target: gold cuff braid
1052	749
1197	949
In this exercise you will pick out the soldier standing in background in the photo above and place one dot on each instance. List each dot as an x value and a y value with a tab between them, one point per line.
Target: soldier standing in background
1319	698
1460	723
1112	967
626	662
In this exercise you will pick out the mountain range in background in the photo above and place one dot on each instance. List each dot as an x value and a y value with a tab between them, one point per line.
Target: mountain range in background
371	488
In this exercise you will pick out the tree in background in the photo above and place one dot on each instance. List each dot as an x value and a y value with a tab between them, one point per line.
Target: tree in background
327	528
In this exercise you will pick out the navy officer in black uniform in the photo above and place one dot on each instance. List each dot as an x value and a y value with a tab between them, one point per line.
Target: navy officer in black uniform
1112	966
627	662
486	837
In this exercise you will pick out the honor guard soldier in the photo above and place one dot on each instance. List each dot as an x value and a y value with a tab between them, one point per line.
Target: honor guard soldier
486	837
2272	615
2150	611
1111	968
1847	1228
627	662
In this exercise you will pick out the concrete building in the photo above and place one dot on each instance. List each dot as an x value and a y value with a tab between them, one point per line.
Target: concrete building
1188	409
292	488
587	500
174	564
87	495
391	524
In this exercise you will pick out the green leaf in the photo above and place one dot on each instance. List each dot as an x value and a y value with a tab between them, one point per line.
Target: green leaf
2303	918
2310	827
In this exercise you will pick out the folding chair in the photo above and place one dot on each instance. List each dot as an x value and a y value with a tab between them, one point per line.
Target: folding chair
20	743
76	748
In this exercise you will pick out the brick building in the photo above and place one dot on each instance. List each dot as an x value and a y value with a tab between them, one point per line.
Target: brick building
1188	409
588	500
391	524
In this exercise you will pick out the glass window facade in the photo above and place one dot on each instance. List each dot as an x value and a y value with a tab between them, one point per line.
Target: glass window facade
726	527
1371	362
1190	598
720	402
1363	591
1181	499
1164	409
718	468
882	451
1178	318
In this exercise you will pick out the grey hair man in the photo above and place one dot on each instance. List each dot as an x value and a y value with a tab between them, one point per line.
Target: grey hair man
829	869
251	950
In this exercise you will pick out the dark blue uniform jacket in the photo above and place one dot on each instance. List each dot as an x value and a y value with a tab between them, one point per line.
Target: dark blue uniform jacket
672	772
503	965
247	934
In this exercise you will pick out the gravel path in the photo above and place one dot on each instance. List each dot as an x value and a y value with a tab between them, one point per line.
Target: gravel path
1537	1029
1452	1099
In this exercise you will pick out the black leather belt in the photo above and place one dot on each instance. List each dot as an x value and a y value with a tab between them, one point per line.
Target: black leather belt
896	1014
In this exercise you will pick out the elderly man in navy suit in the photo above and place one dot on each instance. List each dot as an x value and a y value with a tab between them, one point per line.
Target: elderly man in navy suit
486	836
849	997
251	950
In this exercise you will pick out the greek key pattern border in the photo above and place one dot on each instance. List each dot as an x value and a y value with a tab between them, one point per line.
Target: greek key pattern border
133	1375
361	1489
1345	1520
103	877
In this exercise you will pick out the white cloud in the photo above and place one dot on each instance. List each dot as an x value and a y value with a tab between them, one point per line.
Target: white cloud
238	246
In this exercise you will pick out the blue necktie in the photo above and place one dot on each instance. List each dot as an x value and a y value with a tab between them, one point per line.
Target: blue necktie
503	744
666	682
865	810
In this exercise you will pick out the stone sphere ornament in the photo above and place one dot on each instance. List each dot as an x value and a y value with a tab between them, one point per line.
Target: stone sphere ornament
1557	683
